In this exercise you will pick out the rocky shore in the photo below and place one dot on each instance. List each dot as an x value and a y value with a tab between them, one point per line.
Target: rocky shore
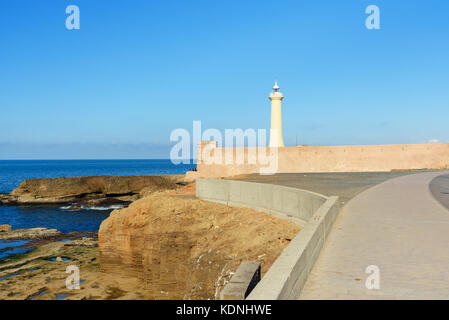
6	233
40	272
180	247
79	192
165	245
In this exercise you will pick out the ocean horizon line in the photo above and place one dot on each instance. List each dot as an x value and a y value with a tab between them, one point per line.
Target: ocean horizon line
92	159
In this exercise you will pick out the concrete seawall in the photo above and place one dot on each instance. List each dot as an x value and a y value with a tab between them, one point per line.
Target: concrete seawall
315	212
293	204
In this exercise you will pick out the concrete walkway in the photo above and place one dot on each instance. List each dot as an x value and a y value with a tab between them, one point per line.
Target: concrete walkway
396	225
345	185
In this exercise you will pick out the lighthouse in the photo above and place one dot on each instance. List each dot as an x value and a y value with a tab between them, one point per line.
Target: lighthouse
276	97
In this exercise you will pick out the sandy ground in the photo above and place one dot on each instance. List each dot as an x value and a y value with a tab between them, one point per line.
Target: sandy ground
216	239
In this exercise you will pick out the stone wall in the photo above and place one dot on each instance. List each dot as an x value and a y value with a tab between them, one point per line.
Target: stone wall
380	158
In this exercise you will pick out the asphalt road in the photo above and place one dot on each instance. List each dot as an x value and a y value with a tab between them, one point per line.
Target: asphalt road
345	185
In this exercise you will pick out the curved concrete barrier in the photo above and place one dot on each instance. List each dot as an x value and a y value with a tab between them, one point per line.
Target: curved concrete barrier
288	274
292	204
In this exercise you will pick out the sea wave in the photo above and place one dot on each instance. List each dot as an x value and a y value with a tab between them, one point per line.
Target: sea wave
100	208
117	206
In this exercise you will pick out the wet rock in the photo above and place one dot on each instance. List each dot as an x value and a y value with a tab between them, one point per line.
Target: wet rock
33	233
5	228
84	242
102	203
7	199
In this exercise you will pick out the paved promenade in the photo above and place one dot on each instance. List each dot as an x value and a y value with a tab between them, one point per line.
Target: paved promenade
345	185
401	226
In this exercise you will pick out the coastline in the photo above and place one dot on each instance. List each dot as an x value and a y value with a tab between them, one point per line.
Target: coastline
89	191
19	247
40	273
31	258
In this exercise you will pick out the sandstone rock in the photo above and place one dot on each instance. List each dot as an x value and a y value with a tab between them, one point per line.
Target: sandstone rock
146	191
7	199
191	176
76	189
84	242
5	228
183	248
33	233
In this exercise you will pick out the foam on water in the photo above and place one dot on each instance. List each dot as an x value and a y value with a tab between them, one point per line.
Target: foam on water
100	208
64	218
112	207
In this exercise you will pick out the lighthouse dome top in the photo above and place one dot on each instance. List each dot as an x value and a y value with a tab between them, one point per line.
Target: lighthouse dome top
276	94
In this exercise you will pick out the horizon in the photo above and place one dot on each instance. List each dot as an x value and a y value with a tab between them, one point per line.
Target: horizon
116	88
190	159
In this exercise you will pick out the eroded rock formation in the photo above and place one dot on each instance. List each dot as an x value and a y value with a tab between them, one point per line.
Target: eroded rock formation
185	248
6	233
89	191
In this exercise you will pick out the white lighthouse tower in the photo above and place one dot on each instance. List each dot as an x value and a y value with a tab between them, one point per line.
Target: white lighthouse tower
276	97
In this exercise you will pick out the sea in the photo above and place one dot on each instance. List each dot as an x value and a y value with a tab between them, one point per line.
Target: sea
13	172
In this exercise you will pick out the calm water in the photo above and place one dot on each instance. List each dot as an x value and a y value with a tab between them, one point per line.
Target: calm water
12	173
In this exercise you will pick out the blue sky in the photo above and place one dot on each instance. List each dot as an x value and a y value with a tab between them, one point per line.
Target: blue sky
136	70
